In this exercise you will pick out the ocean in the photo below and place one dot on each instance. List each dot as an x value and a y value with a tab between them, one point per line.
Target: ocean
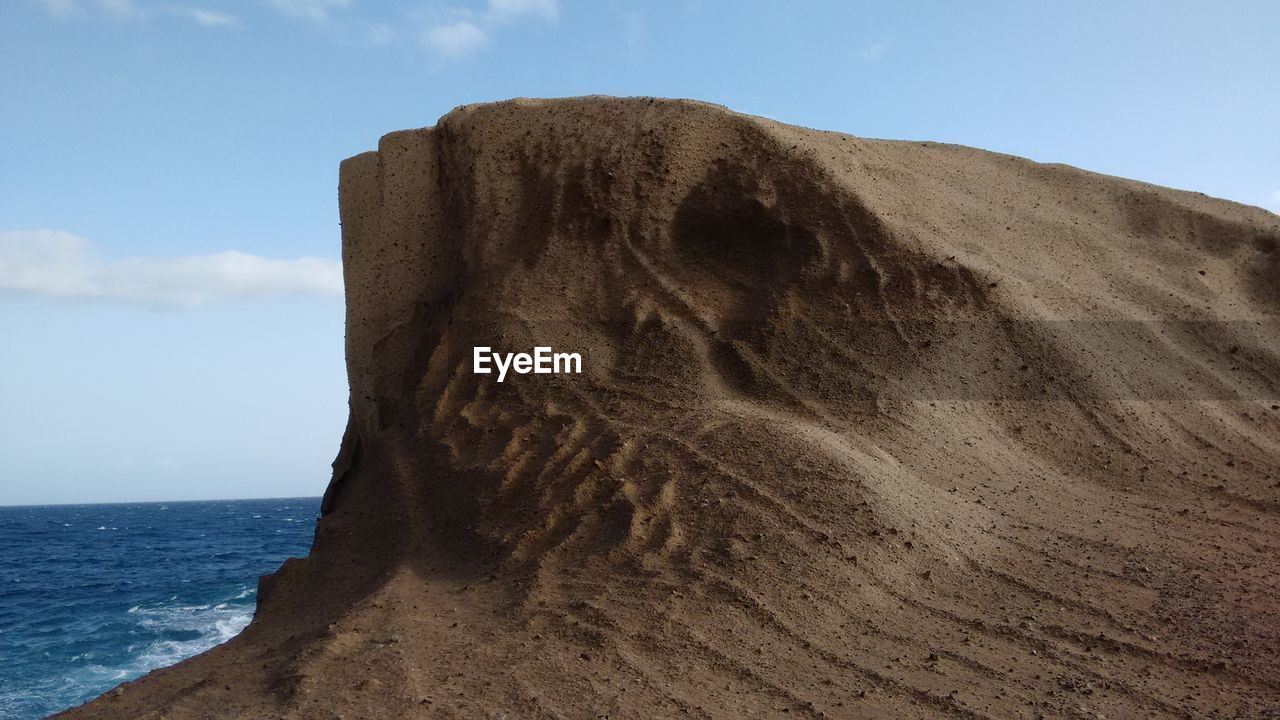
94	595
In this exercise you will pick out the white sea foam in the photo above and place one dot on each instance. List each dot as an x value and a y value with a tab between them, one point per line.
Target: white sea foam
212	625
206	624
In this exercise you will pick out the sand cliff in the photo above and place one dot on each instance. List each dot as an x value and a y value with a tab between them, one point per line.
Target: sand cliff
864	429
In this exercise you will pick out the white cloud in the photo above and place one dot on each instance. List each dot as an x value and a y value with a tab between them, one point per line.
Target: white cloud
209	18
317	10
1274	201
471	29
456	39
57	264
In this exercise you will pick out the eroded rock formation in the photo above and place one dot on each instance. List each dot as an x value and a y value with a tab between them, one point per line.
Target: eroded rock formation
864	429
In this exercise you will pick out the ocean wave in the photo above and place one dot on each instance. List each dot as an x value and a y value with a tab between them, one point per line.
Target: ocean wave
176	632
170	632
84	608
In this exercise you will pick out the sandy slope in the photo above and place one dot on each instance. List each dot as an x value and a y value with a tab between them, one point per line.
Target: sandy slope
866	429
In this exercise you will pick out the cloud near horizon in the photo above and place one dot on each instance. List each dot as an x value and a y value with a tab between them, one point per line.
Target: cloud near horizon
472	29
58	264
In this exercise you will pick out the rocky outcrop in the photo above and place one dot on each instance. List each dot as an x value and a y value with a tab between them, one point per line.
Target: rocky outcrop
863	429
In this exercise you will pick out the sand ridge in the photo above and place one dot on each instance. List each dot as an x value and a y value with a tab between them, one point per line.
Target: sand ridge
864	429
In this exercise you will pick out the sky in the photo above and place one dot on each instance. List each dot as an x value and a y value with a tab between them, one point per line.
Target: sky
170	287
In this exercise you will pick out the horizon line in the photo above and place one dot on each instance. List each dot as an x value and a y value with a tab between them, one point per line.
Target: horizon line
158	502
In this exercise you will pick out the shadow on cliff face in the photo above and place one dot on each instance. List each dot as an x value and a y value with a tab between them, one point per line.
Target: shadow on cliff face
1161	223
728	225
784	259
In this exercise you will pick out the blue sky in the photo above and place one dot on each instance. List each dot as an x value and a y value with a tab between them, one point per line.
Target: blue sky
169	287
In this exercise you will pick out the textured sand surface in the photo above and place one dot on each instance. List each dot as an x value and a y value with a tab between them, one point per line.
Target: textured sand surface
865	429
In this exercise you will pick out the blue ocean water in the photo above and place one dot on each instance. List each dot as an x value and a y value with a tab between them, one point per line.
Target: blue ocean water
94	595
